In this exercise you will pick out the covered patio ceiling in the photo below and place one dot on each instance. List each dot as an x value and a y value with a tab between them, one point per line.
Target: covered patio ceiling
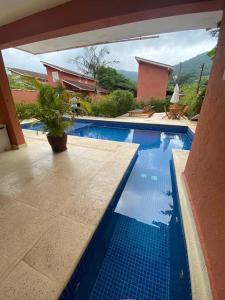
51	25
15	10
126	31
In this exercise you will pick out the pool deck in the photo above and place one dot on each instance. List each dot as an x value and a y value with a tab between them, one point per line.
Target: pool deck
157	119
50	206
200	284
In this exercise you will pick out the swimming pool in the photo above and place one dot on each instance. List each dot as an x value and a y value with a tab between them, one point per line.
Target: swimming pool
138	251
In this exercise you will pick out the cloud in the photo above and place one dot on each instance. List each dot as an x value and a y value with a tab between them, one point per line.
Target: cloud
170	48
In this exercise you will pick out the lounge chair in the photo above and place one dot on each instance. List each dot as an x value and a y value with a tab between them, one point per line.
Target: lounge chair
145	112
195	118
167	113
183	113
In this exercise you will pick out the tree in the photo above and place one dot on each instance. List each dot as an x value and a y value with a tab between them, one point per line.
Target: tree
111	80
92	59
214	33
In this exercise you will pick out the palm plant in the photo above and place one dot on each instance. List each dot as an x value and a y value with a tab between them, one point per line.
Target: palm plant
53	110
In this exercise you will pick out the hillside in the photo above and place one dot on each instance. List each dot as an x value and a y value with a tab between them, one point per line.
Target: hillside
190	69
133	75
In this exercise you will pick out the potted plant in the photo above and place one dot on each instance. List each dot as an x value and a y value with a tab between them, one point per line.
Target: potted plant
54	111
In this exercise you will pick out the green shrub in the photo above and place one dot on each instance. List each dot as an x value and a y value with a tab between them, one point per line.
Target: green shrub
95	108
105	107
115	104
124	101
108	107
193	100
26	111
157	104
86	106
52	107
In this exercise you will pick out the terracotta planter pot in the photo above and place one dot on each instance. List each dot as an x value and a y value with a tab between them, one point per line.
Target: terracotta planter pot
58	144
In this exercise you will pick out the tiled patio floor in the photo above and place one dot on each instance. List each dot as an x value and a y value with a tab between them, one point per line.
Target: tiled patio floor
50	206
157	118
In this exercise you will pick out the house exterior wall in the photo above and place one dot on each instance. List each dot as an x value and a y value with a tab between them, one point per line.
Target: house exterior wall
24	96
65	76
152	82
205	173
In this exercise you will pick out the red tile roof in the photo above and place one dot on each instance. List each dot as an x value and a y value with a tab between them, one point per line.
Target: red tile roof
66	70
85	86
28	73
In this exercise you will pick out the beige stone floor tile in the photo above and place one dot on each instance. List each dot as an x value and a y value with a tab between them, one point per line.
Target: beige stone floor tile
49	195
18	159
25	283
99	155
113	170
6	267
94	143
60	248
21	227
14	183
69	178
78	168
49	207
88	207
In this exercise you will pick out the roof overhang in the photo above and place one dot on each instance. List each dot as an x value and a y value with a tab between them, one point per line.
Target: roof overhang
77	86
26	73
131	30
90	22
66	70
155	63
13	10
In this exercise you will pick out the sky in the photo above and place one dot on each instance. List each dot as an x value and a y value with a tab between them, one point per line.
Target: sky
170	48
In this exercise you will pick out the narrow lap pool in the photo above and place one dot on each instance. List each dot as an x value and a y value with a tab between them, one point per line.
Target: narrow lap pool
138	251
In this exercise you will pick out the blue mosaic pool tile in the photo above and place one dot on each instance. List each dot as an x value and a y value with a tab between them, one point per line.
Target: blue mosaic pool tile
136	265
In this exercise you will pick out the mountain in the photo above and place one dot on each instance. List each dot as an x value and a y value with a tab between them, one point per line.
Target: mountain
190	69
133	75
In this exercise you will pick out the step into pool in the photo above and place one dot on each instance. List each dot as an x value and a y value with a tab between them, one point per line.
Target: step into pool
138	250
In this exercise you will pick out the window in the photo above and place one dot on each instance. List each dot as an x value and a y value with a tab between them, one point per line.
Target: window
55	76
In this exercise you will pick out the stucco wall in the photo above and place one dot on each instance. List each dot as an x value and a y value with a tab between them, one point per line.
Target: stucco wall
205	173
24	96
152	82
7	109
64	76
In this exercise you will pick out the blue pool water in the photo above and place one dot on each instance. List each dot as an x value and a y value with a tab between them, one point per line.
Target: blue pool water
138	251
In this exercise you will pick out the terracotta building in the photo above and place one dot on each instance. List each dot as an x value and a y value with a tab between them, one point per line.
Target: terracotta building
73	81
152	79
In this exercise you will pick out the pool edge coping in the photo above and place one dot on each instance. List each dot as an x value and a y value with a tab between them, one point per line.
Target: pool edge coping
200	284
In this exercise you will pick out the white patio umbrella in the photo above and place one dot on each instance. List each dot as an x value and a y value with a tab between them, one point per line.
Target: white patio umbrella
175	97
